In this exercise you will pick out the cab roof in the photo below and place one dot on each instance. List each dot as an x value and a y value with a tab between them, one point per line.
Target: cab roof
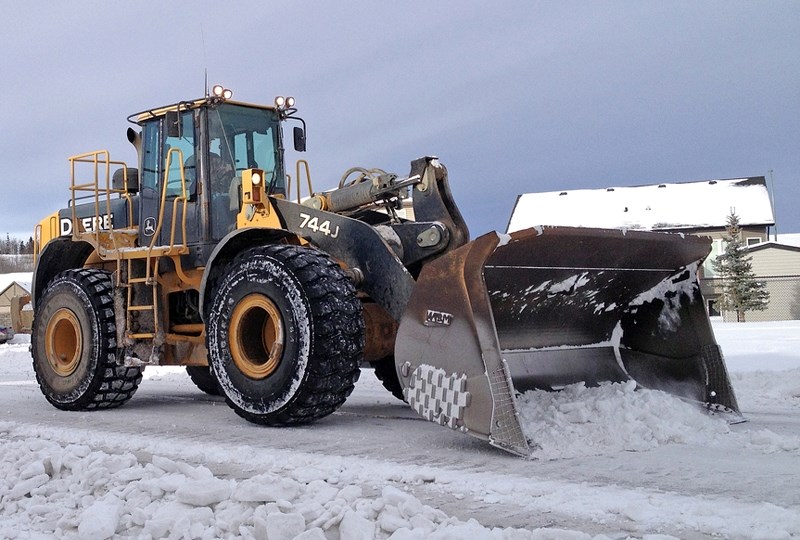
139	117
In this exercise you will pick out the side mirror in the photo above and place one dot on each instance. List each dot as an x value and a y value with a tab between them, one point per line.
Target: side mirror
173	120
299	139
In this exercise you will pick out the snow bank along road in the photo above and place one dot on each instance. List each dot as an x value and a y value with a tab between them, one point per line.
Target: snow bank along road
612	463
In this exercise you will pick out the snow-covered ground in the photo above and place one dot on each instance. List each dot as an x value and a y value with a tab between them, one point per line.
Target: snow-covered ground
611	463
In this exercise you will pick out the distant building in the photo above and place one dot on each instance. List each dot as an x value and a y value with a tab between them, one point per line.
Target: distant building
14	289
700	208
778	265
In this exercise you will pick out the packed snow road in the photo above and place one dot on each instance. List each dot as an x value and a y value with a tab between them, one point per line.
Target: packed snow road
611	463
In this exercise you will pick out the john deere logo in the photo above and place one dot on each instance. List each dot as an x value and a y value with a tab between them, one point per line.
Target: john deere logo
150	226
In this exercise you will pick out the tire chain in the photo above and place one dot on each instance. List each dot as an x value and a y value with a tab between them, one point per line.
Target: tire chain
337	314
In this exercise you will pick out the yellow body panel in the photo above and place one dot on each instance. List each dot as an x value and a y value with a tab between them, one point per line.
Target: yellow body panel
256	209
45	230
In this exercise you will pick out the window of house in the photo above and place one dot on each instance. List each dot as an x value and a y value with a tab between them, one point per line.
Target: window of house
713	311
753	240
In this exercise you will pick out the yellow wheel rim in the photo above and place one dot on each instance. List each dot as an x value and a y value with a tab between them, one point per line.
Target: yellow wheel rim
63	342
255	335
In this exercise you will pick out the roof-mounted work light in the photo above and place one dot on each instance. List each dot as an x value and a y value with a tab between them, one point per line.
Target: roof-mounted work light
284	102
221	92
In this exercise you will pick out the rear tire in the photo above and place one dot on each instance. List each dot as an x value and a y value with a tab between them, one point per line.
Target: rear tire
285	335
74	344
387	374
204	379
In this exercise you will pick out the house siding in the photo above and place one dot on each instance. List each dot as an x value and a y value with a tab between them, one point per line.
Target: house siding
774	261
778	267
784	300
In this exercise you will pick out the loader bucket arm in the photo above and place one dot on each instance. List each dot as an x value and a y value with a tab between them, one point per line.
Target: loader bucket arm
548	307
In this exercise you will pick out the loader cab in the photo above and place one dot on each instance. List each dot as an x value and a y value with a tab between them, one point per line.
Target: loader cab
239	138
198	152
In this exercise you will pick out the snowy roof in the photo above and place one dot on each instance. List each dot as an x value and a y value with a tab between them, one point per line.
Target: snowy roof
24	284
684	205
770	244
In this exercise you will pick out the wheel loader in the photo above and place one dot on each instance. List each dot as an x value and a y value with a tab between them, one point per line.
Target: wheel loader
206	256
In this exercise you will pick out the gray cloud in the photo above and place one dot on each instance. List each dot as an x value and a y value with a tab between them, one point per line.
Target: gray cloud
513	96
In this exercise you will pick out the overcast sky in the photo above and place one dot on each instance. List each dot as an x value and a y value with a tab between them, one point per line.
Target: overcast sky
513	97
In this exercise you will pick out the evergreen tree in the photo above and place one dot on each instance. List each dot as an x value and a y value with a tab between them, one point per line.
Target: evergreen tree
740	290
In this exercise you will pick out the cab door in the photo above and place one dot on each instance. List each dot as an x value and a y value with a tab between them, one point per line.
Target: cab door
169	174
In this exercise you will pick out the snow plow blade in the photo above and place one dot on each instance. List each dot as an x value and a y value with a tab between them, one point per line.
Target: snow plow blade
547	307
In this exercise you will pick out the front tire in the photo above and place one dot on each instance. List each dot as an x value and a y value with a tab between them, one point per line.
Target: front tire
74	344
285	335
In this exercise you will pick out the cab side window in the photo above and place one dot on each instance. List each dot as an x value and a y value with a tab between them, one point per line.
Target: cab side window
151	162
179	156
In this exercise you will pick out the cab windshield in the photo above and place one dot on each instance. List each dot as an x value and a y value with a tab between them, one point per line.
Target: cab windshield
239	138
245	138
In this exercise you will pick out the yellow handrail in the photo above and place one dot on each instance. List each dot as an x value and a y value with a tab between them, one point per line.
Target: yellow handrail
163	204
308	177
182	198
100	187
101	163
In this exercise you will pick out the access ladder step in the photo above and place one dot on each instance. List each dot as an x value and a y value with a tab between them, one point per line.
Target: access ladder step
141	308
145	335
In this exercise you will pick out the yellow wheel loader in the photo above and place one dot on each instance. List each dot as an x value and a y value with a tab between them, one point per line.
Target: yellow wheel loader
201	256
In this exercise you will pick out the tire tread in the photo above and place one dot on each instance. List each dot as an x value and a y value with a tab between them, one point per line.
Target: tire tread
115	383
338	328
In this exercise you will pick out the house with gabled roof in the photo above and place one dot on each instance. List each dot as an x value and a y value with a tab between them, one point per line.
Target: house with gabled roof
13	290
673	207
777	265
700	208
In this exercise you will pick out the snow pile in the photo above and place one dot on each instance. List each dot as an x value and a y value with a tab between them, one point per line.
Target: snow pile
52	487
165	373
759	346
75	491
765	389
611	418
99	476
15	357
618	417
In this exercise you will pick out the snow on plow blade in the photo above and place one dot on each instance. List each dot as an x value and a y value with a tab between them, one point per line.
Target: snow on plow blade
553	306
